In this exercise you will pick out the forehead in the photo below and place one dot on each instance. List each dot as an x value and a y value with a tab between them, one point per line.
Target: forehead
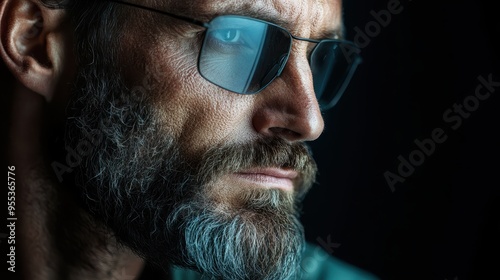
302	17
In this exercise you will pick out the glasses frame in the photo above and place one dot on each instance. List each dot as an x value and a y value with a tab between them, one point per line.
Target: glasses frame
356	60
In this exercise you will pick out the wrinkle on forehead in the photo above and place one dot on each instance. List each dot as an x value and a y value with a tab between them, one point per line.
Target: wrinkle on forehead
302	17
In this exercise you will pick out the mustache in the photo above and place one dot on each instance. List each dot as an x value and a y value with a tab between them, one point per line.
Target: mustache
262	153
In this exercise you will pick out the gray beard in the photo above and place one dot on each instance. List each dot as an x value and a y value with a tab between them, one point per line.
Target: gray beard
163	204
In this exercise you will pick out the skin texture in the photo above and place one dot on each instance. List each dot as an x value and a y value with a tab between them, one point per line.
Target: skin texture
36	46
206	115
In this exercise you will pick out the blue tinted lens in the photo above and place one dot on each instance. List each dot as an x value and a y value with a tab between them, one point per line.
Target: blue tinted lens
243	54
332	65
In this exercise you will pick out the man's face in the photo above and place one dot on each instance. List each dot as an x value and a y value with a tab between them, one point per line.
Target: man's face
190	173
201	114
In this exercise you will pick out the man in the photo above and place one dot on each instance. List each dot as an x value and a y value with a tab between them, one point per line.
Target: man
171	132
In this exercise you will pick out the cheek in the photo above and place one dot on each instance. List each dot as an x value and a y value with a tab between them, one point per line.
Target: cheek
195	112
214	121
198	114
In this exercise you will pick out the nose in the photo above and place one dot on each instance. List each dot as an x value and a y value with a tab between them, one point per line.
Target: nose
288	108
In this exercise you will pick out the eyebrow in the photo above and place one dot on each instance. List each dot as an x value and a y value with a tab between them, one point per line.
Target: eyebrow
334	33
206	16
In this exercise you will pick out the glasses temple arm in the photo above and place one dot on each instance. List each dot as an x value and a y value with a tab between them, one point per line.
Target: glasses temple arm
187	19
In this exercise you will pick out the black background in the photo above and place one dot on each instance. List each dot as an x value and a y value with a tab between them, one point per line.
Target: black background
443	221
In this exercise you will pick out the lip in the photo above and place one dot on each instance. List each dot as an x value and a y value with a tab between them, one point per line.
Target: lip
269	177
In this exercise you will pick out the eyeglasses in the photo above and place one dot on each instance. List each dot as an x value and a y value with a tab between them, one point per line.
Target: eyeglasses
244	55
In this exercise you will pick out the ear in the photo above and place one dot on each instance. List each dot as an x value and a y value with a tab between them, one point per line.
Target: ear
33	44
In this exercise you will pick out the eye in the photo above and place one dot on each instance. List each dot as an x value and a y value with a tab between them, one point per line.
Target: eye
228	36
227	40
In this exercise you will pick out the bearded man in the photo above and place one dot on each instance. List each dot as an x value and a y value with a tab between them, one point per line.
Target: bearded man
170	133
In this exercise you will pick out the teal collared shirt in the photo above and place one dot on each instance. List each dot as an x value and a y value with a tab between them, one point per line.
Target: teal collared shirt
316	264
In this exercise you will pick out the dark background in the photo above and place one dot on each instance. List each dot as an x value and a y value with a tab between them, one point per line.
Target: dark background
443	221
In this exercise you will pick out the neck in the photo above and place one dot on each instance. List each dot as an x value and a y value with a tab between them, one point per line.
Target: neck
55	237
